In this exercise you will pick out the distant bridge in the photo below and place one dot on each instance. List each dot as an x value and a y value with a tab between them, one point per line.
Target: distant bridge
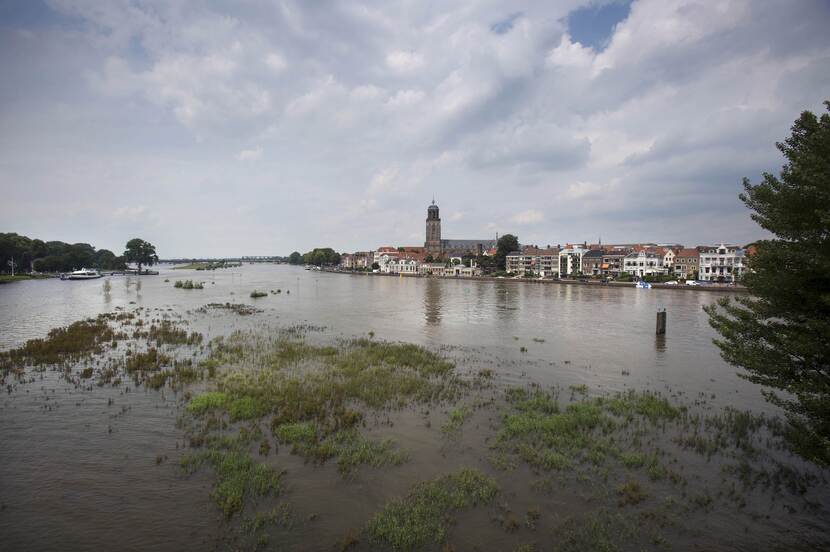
248	259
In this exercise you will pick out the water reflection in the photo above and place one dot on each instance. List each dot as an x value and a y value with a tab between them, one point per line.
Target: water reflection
660	345
433	298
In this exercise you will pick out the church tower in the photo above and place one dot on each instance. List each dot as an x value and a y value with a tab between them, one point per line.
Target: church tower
433	241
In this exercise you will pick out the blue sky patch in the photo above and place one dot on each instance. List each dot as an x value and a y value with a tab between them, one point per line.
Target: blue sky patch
592	25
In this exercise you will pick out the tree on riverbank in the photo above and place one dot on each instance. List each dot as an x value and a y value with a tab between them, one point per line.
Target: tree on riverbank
325	256
140	252
780	332
53	256
295	258
506	245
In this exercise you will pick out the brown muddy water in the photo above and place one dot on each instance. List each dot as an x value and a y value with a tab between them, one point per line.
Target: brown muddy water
88	464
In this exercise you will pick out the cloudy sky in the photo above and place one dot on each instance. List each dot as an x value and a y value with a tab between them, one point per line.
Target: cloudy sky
225	128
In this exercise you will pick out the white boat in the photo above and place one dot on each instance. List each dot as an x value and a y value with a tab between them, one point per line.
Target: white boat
83	274
643	285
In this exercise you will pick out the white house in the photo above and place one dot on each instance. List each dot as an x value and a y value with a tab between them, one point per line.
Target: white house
643	263
724	263
401	266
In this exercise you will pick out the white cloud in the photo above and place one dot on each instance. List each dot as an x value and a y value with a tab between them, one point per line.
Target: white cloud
531	216
276	62
134	212
400	60
249	155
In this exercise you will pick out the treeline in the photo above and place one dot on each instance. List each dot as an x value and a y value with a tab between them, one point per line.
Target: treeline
53	256
319	256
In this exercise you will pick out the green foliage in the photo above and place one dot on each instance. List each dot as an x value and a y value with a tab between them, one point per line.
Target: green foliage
322	257
423	516
141	253
54	256
779	333
295	258
506	244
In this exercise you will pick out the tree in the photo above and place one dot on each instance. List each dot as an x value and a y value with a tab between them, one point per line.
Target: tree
295	258
779	333
506	244
140	252
325	256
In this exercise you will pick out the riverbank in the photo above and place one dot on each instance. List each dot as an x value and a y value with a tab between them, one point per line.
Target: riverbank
723	288
8	278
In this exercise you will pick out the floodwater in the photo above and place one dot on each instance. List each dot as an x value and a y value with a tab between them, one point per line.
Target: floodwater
78	465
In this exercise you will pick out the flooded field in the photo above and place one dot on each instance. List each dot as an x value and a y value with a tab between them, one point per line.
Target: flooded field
340	412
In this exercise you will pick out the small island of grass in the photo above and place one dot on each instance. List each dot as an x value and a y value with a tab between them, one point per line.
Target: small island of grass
188	284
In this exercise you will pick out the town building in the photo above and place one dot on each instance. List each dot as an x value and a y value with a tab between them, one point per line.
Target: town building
724	263
535	261
401	266
592	262
612	262
643	263
686	262
570	260
436	246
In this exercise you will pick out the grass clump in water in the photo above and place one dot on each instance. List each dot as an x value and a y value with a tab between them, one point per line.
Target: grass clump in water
456	419
188	284
423	516
238	477
317	395
150	360
61	346
166	333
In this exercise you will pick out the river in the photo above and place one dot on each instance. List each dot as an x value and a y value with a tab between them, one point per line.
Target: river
77	464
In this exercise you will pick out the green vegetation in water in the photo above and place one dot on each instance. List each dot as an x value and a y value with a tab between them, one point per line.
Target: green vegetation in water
318	396
423	516
456	419
61	346
238	475
257	294
188	284
237	308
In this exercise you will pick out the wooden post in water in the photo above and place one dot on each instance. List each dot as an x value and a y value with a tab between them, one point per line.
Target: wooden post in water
661	322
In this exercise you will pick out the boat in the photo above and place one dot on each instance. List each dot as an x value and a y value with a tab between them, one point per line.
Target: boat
83	274
643	285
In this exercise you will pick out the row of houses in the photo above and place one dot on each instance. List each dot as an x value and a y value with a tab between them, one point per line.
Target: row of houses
406	261
722	263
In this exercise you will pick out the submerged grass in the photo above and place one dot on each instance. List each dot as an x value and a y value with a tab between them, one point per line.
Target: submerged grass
61	346
238	477
318	396
424	515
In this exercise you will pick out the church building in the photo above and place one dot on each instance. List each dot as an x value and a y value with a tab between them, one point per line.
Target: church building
438	247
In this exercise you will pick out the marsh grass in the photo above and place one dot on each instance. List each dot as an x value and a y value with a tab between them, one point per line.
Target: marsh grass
61	347
237	308
188	284
456	419
238	476
319	395
423	516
